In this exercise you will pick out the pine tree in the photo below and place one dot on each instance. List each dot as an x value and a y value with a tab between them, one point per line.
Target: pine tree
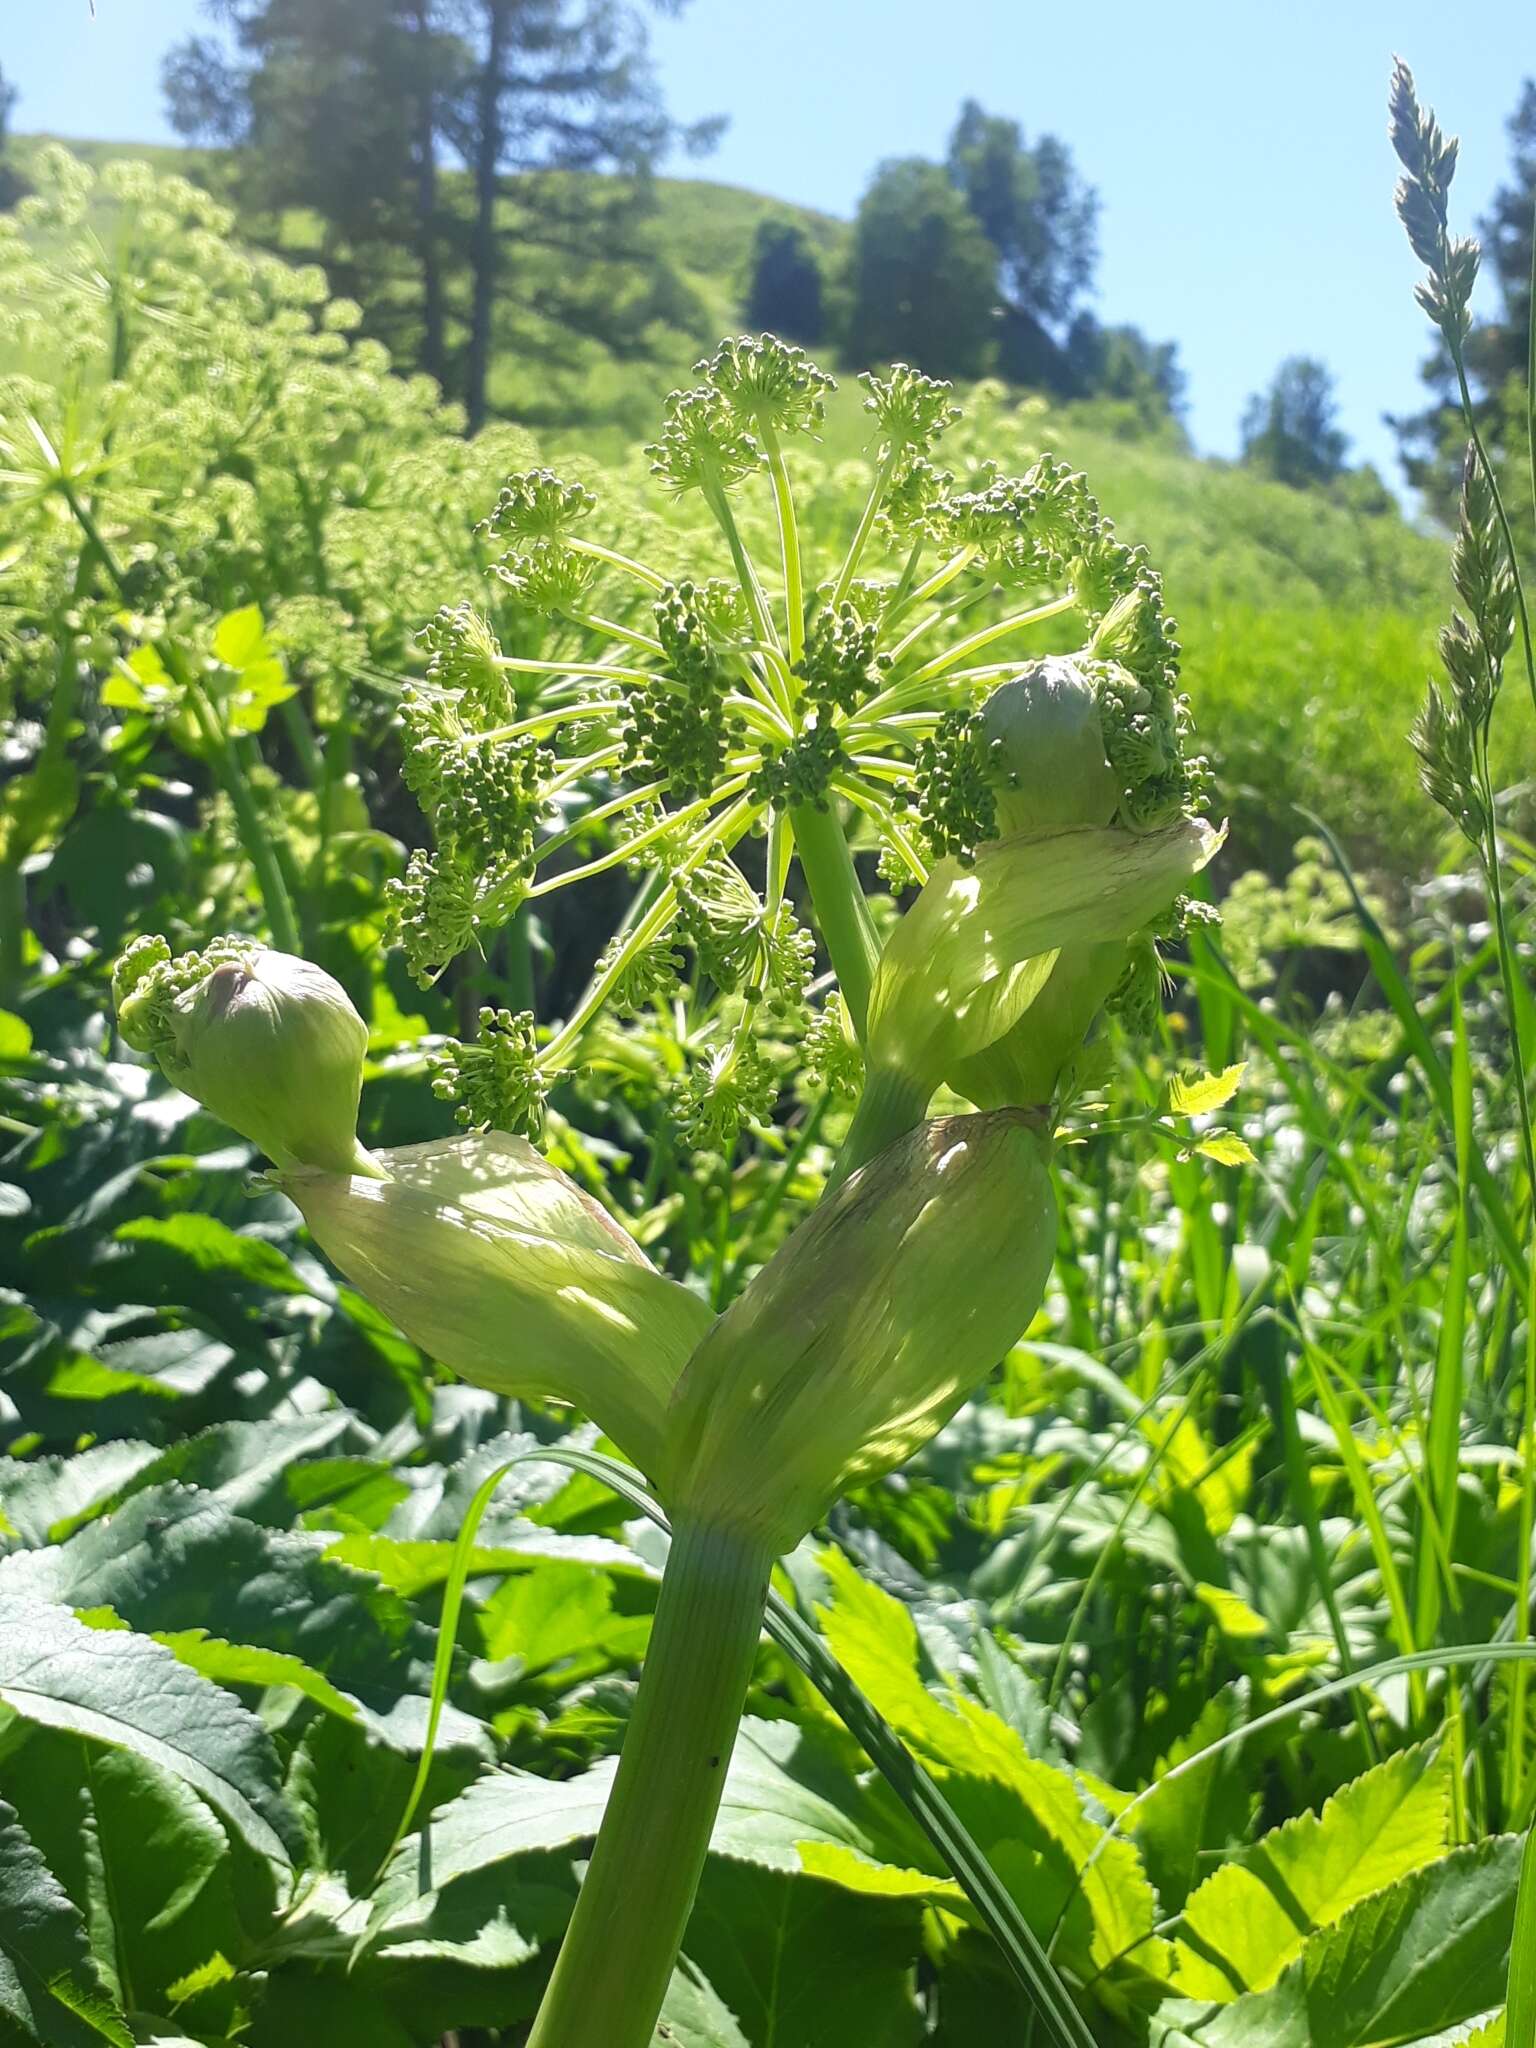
922	278
1291	429
784	295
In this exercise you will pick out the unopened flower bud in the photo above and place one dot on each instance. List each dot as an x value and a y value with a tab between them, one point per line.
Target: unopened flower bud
500	1267
1049	767
860	1338
270	1043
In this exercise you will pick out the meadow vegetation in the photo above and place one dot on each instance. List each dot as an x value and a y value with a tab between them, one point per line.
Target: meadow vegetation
1177	1691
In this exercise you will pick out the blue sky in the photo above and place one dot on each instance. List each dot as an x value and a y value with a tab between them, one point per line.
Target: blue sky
1239	149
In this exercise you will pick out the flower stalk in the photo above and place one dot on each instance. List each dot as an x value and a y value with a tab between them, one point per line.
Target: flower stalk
616	1961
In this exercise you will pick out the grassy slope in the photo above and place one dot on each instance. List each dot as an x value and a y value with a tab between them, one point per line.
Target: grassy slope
1308	626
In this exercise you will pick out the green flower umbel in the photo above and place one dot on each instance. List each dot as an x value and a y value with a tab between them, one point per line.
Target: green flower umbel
270	1043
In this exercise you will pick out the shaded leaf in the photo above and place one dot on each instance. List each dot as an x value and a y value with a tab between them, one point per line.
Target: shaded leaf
114	1687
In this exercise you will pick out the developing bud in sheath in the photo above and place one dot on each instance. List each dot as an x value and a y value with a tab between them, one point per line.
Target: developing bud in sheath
270	1043
865	1332
981	943
1046	749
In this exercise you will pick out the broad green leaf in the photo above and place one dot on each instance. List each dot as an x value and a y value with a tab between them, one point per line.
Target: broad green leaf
694	2016
352	1779
36	806
114	1687
239	636
1403	1967
175	1559
503	1815
42	1498
793	1787
248	1464
1184	1819
212	1247
804	1964
304	2007
786	1786
50	1994
1248	1921
1233	1616
558	1610
143	1858
1028	1816
1226	1148
411	1568
15	1036
854	1873
134	685
241	1664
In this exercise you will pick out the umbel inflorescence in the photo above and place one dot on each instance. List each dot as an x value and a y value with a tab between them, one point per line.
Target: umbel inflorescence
906	685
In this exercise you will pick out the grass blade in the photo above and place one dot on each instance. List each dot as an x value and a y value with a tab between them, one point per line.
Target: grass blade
1520	2016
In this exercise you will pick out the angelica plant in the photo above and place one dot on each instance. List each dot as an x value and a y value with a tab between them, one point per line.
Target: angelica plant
1043	809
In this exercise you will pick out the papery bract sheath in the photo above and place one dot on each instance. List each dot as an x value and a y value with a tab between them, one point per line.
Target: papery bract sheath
500	1267
976	948
856	1343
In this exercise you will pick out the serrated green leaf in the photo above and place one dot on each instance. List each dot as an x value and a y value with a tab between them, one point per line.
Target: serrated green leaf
243	1664
1182	1819
1244	1924
175	1559
114	1687
43	1498
1405	1965
1226	1148
556	1611
56	1999
212	1247
694	2016
1028	1816
1205	1092
142	1856
803	1964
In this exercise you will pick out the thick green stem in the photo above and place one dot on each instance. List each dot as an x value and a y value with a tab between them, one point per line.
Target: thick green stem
891	1105
223	759
841	911
13	924
229	772
616	1962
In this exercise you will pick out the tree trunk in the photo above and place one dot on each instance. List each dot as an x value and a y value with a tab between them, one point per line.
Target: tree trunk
487	164
432	353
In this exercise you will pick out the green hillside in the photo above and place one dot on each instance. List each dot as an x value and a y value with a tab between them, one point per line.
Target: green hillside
1308	618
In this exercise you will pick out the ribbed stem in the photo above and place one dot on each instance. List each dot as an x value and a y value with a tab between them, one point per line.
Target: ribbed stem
613	1970
891	1105
838	901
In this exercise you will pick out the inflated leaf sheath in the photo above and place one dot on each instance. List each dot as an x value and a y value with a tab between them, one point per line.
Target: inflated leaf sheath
500	1267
